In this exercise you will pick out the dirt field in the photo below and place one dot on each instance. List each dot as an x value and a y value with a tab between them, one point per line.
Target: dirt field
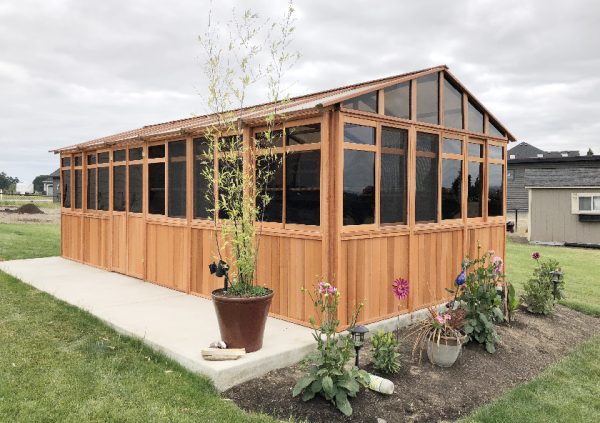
9	215
425	393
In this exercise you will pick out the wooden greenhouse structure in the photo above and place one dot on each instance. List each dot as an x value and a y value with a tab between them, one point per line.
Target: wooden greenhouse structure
397	177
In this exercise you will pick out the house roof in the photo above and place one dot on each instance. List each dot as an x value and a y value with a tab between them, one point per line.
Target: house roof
527	151
556	159
562	177
295	105
55	174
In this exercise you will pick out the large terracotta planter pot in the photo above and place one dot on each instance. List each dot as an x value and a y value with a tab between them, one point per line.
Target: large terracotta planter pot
242	320
446	352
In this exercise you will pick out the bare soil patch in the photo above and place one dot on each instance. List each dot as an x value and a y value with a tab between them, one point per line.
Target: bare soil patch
29	213
425	393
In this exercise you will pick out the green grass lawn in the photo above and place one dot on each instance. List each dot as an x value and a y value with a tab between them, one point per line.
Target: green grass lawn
58	363
19	241
580	266
568	391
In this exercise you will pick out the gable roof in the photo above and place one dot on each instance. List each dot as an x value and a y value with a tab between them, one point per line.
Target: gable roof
524	151
295	105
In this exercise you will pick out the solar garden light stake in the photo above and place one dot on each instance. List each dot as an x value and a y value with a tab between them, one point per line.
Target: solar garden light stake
358	336
556	277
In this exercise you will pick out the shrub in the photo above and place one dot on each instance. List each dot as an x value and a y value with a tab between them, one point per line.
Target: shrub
385	352
329	373
476	293
540	294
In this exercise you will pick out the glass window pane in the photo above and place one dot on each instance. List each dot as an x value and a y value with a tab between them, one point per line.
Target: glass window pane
156	188
397	100
366	103
426	195
495	194
475	189
475	119
453	113
136	153
451	189
91	159
203	187
428	99
156	151
596	203
393	188
177	179
494	131
495	152
305	134
103	188
475	150
66	188
78	186
359	134
269	179
585	203
359	187
303	187
276	139
119	188
78	160
452	146
119	156
103	157
427	142
66	162
136	183
393	137
91	191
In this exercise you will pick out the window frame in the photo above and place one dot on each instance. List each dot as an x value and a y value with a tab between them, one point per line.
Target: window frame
86	184
147	162
129	163
110	182
68	167
285	150
122	163
575	203
452	156
481	161
343	145
83	181
488	162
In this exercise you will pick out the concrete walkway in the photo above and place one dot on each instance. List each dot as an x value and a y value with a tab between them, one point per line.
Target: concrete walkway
172	322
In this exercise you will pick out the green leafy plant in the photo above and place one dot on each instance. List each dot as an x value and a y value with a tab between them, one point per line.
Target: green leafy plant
330	373
237	168
386	357
512	301
476	293
541	293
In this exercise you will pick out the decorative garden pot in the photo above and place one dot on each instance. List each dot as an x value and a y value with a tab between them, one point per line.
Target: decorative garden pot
242	320
446	352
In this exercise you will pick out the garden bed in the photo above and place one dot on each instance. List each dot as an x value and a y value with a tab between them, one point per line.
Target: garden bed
427	393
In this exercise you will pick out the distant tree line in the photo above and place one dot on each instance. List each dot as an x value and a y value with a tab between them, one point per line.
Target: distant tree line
8	183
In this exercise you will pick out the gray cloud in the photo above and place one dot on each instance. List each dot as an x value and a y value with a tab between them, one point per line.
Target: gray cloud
72	71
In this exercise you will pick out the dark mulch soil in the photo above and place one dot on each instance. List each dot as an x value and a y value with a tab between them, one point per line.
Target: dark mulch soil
29	209
425	393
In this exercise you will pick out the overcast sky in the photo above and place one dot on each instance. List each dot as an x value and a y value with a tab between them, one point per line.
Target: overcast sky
71	71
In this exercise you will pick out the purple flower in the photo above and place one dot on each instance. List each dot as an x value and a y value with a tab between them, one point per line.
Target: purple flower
535	255
498	264
400	288
461	278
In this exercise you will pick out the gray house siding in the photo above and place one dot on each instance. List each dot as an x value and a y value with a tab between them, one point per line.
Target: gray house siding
551	219
563	172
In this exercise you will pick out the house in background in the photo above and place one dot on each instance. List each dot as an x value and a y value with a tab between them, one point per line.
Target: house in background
564	204
52	185
524	157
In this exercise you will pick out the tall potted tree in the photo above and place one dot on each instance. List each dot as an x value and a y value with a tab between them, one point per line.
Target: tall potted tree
245	165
